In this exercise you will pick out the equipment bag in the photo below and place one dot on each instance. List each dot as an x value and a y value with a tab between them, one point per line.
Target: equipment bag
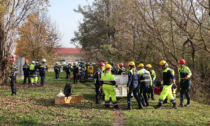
67	89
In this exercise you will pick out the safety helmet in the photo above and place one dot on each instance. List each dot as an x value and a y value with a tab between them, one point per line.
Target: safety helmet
131	63
12	59
33	62
149	66
26	61
163	62
44	60
101	64
56	62
181	61
108	66
121	64
141	65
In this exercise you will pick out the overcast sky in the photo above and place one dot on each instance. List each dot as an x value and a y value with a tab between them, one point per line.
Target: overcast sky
62	12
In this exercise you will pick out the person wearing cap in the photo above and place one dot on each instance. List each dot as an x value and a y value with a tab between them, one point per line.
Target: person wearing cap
153	76
57	69
97	78
184	82
75	72
12	75
33	73
145	83
26	71
132	85
108	82
42	70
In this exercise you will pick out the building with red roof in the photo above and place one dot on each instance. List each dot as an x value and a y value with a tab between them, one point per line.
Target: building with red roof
69	54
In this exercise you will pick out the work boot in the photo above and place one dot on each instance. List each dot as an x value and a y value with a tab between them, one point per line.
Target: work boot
15	92
153	98
157	107
128	108
187	105
12	93
175	106
140	107
116	108
181	105
144	104
165	102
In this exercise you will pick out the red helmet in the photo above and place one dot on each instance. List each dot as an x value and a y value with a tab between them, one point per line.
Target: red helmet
101	64
12	59
181	61
26	61
121	64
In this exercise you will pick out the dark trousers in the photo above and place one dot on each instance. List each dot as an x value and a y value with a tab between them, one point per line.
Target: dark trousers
99	93
75	79
151	91
143	93
12	84
185	89
133	89
25	77
42	78
56	74
68	75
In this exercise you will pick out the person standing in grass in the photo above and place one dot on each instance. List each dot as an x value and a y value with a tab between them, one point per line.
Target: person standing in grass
168	81
108	82
97	78
33	73
12	75
75	72
153	76
26	70
145	83
184	82
132	85
174	87
57	70
42	70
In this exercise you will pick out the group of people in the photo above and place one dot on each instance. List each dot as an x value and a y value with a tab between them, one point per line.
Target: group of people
31	72
68	68
140	82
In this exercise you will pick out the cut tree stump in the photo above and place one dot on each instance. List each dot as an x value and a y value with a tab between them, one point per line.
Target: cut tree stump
69	100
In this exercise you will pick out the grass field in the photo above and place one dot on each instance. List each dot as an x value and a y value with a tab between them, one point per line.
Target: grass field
35	106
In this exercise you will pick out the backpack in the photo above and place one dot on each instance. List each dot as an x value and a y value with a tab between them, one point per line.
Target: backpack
67	89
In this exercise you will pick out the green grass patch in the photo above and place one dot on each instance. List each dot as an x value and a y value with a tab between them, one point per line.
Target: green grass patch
35	106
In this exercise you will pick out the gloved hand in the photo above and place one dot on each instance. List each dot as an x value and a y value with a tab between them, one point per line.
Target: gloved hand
151	87
127	88
118	88
100	87
153	81
186	78
174	86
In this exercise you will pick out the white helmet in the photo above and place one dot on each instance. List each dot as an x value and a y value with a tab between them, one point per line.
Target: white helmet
44	60
56	62
33	62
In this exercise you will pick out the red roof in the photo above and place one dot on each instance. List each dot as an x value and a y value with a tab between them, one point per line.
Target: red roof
69	50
